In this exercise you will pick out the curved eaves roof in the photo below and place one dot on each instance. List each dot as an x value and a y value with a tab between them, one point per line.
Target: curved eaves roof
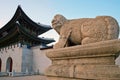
20	14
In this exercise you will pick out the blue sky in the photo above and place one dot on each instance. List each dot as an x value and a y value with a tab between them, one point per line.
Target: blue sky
44	10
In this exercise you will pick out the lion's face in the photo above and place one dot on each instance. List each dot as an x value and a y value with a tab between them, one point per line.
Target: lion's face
58	22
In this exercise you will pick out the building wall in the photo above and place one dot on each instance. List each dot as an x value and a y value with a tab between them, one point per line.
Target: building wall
13	52
40	60
27	59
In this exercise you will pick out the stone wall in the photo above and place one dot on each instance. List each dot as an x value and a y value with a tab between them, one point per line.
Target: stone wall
13	52
31	60
94	61
40	61
27	59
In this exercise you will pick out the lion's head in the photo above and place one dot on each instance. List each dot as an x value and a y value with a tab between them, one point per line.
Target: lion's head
58	22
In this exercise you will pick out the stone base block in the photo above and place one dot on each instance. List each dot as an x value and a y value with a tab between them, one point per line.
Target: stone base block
62	78
95	61
81	72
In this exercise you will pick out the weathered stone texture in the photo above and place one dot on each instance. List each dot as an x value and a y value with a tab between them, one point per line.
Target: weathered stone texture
102	48
84	30
94	61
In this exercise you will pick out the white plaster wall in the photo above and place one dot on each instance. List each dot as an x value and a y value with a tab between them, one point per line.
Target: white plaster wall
27	59
40	60
24	59
15	54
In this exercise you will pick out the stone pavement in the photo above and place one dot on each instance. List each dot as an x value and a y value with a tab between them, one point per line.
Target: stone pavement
34	77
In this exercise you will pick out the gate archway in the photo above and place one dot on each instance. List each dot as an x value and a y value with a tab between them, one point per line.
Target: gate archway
9	64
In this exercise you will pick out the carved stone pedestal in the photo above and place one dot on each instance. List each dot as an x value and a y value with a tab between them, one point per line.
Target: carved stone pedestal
95	61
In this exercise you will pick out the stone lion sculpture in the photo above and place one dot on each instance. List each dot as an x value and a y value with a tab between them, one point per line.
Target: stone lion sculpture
84	30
